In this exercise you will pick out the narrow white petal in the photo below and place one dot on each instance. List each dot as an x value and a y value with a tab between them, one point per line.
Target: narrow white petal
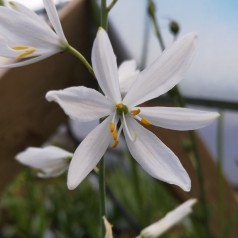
171	219
43	158
177	118
21	30
28	13
88	154
84	104
127	75
155	157
54	18
27	62
105	66
167	71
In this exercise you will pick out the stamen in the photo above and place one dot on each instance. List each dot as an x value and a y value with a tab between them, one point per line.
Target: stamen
27	50
145	121
112	126
127	130
115	144
135	112
120	105
20	47
114	134
26	53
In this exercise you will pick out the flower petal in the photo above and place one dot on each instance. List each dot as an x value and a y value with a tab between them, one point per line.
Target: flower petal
167	71
155	157
105	66
171	219
54	18
127	75
21	30
177	118
41	158
28	13
81	103
88	153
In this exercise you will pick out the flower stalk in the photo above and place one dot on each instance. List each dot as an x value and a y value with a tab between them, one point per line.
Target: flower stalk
102	185
77	54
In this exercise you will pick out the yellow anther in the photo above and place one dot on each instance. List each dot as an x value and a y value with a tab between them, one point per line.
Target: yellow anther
120	105
145	121
20	47
112	126
114	134
135	112
26	53
115	144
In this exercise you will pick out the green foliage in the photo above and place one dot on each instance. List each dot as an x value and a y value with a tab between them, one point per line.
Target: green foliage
33	207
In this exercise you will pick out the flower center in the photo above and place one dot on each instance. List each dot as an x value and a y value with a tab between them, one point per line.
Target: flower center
121	108
26	50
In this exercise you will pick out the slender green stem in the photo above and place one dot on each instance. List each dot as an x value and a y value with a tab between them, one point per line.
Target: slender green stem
111	5
152	14
104	14
221	203
178	99
102	195
74	52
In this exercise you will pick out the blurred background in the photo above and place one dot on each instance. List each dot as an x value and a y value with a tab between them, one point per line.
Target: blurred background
210	84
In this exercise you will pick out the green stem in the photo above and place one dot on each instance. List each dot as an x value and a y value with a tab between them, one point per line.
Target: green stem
220	172
111	5
104	14
151	11
102	195
178	99
137	188
74	52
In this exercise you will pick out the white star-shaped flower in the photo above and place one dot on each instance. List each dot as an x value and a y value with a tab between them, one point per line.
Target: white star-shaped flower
121	113
25	35
51	161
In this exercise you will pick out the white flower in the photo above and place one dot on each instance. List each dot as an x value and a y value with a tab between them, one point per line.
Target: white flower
87	104
171	219
24	35
51	161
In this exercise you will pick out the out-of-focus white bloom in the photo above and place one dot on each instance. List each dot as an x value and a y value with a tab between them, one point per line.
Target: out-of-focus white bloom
121	112
25	35
171	219
108	228
51	161
127	74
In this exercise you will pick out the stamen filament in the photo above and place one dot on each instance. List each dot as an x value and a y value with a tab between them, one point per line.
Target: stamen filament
127	130
135	112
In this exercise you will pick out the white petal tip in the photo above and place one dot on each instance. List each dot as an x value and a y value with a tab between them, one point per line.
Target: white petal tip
71	186
50	96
